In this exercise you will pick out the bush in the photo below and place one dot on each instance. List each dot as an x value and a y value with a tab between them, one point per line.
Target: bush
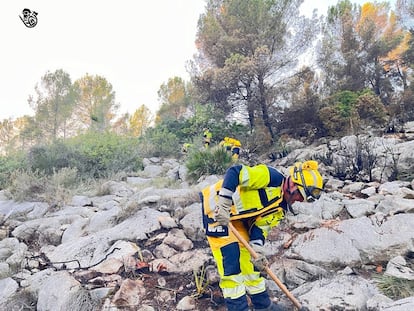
45	171
48	158
335	124
100	155
350	112
93	155
371	111
9	164
159	142
208	162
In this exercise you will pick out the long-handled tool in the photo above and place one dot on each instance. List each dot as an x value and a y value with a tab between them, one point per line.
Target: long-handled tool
267	269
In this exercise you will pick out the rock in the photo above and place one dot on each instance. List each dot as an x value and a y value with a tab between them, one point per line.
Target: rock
130	293
186	303
397	267
318	253
57	291
348	292
8	287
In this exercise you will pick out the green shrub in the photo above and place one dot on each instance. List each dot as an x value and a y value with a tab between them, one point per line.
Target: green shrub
158	142
101	155
334	122
9	164
93	155
352	112
48	158
169	133
208	162
371	111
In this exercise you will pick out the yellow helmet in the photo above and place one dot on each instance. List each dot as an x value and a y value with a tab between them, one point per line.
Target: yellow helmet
308	179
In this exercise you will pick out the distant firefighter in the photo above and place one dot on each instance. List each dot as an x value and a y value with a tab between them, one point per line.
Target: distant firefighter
233	145
207	136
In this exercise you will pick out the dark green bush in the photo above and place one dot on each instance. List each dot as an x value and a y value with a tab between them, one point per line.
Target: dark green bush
159	142
208	162
94	155
103	154
167	137
371	111
48	158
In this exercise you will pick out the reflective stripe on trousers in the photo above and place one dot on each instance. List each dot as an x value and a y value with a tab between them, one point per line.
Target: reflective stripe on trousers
236	271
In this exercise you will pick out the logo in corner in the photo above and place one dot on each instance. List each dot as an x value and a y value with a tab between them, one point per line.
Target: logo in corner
29	18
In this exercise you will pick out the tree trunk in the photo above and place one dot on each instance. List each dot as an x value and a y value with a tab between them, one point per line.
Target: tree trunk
263	106
250	107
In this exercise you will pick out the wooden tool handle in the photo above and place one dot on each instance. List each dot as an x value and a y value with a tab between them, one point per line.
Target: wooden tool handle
267	269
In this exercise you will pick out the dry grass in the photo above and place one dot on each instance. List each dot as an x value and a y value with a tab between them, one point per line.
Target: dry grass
82	300
22	300
394	288
56	189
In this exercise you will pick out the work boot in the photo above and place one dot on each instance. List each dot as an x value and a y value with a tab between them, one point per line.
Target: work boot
272	307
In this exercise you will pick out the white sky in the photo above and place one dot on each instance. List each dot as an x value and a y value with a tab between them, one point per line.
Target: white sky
137	45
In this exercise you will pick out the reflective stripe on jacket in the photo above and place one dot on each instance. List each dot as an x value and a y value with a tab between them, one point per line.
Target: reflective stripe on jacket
253	197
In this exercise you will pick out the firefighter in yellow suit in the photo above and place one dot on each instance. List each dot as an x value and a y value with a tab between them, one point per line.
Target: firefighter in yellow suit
225	144
255	199
207	136
233	145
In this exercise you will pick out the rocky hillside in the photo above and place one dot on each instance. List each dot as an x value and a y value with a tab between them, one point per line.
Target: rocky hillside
140	246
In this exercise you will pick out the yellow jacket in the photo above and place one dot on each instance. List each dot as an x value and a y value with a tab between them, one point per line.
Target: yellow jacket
230	142
256	193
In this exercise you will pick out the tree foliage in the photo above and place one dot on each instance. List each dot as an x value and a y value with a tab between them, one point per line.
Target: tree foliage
95	105
54	104
140	121
371	44
245	49
350	112
7	132
174	98
301	119
247	81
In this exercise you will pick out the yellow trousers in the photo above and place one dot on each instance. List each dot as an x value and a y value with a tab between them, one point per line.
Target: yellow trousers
237	274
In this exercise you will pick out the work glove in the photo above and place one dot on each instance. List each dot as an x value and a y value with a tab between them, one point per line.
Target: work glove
260	262
222	211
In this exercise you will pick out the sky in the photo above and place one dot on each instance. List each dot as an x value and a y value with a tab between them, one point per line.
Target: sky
136	45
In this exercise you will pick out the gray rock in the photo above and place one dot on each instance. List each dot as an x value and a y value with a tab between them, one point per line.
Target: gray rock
399	305
345	292
359	207
397	267
8	287
56	292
